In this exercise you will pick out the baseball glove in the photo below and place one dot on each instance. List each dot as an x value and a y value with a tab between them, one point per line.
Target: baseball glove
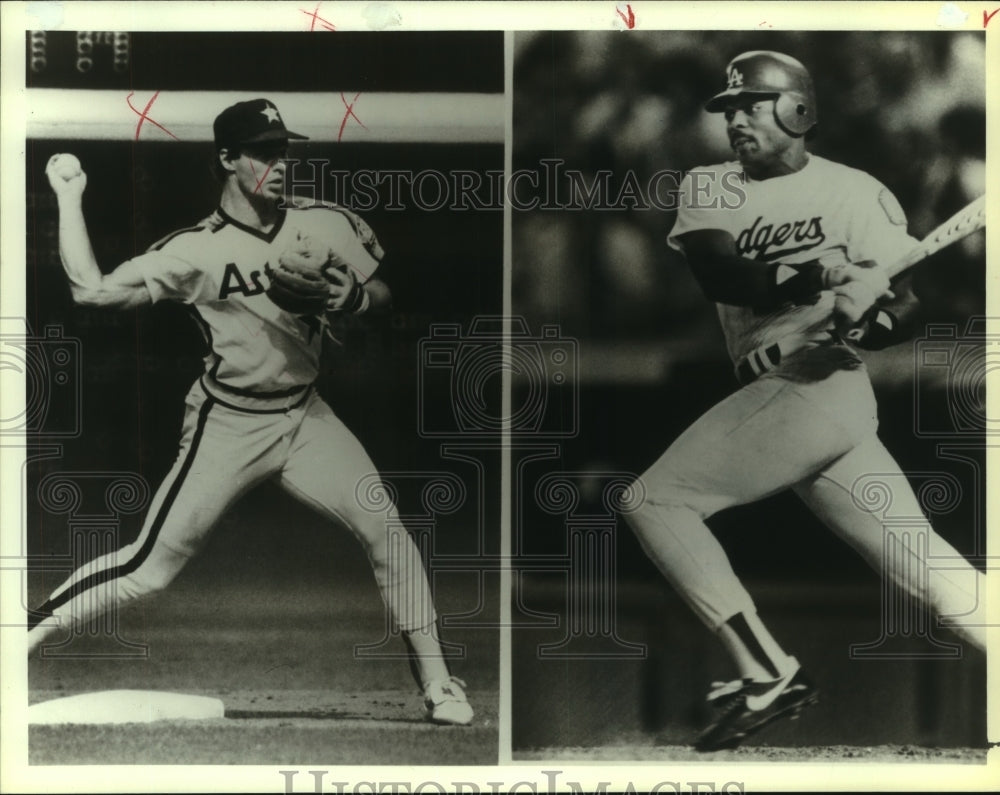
300	284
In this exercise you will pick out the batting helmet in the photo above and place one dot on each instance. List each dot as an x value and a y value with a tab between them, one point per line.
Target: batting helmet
771	75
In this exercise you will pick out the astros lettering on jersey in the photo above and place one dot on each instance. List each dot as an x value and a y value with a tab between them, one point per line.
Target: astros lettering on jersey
218	268
254	416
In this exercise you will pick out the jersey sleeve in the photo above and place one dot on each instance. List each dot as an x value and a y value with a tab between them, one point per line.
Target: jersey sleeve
171	278
171	273
354	242
703	201
878	228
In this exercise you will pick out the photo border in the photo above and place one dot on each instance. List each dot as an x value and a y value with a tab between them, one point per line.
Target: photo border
17	775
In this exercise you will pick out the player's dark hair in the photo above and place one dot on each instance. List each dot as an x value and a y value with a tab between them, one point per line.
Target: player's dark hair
232	152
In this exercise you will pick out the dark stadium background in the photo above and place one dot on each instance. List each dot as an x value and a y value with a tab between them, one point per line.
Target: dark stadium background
907	108
136	366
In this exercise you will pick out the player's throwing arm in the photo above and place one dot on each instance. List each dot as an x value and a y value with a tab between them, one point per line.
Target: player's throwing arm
254	415
123	288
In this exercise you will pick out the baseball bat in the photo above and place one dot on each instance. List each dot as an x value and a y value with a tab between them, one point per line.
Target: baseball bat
964	222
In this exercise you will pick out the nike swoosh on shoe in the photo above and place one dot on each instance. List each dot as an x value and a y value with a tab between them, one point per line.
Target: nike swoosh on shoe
755	703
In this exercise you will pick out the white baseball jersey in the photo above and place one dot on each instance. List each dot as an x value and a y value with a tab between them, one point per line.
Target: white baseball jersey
219	269
269	425
825	211
814	435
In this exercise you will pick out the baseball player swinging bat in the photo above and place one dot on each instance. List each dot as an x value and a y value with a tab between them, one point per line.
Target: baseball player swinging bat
794	271
961	224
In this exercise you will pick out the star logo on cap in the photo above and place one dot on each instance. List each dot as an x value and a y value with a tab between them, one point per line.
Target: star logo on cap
735	78
272	113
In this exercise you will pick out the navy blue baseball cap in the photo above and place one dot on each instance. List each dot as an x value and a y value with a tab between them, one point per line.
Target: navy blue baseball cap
250	122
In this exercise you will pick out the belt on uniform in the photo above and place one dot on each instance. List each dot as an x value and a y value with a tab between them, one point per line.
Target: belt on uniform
255	402
249	393
767	357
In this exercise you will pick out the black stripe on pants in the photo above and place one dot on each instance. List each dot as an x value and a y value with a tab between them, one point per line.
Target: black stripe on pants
101	577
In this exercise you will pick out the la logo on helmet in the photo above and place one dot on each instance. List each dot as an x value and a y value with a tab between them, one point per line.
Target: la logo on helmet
735	78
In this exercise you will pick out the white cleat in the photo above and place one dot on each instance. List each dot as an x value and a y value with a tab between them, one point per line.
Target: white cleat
445	702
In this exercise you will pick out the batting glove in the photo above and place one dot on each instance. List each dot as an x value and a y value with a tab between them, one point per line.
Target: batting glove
879	329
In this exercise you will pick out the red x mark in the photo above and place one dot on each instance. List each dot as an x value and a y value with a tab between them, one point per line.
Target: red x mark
144	116
263	177
317	18
349	114
628	18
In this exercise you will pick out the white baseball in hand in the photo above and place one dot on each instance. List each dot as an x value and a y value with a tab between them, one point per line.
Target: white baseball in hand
65	166
66	177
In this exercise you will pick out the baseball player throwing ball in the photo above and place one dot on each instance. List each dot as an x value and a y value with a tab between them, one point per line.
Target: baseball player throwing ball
794	271
254	414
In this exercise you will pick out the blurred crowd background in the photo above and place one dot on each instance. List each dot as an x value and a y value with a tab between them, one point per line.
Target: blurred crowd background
908	108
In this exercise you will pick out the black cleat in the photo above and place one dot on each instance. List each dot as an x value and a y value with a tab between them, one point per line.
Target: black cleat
745	706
